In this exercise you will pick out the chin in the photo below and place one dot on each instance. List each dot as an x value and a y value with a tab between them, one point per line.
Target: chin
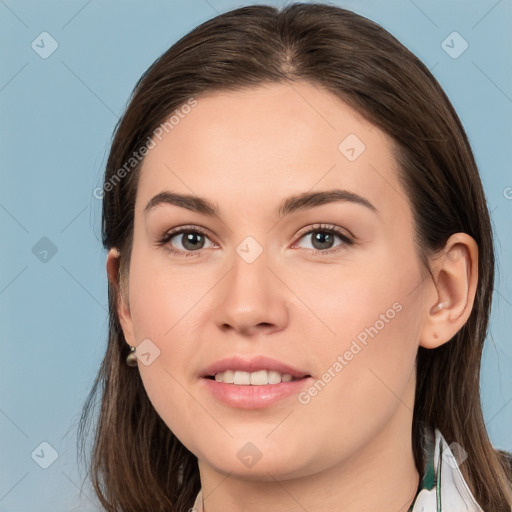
248	464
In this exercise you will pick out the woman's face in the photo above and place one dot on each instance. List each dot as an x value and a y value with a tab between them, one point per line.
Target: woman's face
308	261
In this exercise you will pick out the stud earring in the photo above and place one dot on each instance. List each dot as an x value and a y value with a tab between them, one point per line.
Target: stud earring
131	358
438	307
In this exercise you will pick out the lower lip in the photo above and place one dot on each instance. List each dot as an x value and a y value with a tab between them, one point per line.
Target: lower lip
254	397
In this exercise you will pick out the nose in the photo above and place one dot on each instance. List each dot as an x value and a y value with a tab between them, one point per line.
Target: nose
251	300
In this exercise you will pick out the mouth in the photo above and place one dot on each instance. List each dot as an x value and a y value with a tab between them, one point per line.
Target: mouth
254	383
252	371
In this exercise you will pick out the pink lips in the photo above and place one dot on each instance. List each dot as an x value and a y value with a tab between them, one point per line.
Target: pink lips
253	364
248	396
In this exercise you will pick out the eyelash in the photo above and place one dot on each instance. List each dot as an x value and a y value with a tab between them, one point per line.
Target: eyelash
322	228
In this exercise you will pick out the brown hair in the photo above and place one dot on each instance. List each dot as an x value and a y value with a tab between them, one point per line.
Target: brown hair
137	462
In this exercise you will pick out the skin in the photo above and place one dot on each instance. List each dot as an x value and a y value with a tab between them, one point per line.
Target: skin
246	152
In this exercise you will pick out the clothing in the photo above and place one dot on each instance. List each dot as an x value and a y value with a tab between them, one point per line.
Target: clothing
442	487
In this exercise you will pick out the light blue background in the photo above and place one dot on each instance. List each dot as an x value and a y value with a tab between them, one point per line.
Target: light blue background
57	117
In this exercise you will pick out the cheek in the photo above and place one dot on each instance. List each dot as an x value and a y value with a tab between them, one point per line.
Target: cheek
162	296
365	335
370	296
173	402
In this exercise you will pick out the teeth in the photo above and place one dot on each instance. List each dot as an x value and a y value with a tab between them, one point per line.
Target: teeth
259	378
242	378
274	377
228	377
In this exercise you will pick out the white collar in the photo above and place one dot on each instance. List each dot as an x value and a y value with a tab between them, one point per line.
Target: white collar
446	489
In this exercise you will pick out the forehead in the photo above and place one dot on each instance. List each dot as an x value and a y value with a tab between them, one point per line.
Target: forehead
262	143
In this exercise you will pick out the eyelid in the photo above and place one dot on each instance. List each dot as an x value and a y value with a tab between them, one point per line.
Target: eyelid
344	234
186	227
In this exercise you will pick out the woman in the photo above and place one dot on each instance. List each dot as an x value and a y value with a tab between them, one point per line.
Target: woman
300	269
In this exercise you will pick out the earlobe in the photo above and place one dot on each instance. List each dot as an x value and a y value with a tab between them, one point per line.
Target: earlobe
123	308
455	274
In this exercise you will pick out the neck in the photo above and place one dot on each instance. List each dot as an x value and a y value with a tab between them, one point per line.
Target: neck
382	473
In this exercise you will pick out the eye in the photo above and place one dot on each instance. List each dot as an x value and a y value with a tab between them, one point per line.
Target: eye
323	238
183	240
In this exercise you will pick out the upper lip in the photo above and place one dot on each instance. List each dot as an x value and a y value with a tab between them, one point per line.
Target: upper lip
252	364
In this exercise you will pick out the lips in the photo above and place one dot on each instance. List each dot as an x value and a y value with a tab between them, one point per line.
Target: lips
251	365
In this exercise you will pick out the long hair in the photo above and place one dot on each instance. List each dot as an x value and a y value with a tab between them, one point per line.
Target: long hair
136	462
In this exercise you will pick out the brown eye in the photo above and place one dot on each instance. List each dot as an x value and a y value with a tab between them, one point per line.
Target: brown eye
324	238
185	241
192	240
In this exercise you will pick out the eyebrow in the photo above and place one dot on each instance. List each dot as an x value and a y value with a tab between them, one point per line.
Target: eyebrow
289	205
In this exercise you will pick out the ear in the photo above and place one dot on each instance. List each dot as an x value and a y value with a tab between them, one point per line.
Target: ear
455	278
123	307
